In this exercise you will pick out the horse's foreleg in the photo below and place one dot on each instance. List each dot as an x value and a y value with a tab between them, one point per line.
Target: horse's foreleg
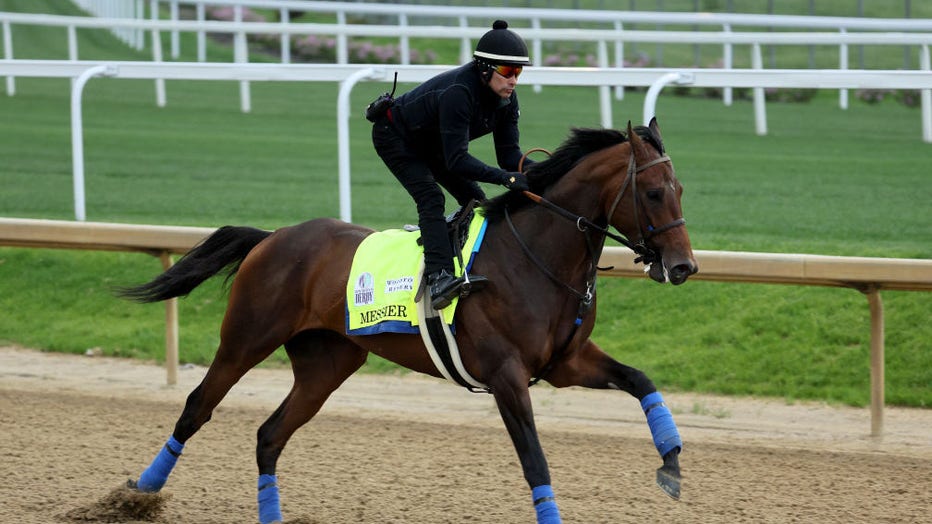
514	405
591	367
321	361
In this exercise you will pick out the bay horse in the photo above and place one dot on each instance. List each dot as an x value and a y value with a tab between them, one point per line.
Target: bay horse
531	322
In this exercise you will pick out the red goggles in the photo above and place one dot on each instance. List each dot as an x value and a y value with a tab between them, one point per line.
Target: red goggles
508	71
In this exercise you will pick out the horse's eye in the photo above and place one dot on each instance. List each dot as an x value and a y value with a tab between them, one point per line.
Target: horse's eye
655	195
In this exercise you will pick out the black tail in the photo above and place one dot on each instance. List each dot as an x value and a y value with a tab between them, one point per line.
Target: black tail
224	249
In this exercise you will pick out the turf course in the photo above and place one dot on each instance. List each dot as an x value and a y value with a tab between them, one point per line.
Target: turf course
823	181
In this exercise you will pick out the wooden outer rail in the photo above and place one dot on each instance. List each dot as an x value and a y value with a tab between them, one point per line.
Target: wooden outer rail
159	241
862	273
865	274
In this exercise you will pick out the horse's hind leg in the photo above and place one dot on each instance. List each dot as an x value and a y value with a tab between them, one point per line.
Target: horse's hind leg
246	340
592	368
321	361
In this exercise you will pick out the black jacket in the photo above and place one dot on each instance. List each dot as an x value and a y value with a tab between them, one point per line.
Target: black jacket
440	117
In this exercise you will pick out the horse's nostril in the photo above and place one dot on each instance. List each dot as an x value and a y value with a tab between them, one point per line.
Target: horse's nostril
679	273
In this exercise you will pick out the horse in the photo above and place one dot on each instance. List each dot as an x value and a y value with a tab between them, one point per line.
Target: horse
531	322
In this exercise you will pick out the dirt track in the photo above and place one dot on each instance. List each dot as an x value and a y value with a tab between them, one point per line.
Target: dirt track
416	450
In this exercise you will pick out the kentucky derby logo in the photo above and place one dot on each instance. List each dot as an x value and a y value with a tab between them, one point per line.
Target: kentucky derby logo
364	291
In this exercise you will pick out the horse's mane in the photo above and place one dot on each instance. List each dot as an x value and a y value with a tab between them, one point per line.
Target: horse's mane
541	175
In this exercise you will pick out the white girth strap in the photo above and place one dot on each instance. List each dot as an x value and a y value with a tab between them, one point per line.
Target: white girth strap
426	312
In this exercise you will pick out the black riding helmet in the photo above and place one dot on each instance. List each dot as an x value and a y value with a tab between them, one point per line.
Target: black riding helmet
501	46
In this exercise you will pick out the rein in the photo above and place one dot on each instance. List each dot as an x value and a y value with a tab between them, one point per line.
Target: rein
586	296
584	224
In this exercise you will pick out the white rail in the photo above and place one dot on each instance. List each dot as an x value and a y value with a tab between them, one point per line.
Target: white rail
602	37
348	75
534	17
868	275
918	33
579	15
844	36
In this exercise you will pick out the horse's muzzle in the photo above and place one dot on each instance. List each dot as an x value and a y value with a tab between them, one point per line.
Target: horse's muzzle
676	275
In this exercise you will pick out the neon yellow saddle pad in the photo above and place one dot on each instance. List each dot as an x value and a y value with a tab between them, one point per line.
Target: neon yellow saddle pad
385	277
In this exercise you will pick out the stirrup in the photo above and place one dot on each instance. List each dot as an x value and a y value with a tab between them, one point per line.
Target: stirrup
472	283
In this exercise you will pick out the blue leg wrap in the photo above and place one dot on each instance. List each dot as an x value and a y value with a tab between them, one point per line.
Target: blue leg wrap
545	505
154	477
269	507
660	421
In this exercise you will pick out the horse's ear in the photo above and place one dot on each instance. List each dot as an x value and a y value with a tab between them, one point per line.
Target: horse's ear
632	136
634	139
655	128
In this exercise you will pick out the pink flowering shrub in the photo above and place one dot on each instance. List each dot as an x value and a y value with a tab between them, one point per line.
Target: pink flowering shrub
907	97
318	48
314	48
570	60
226	14
873	96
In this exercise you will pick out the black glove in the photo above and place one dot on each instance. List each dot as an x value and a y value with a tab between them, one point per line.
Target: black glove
515	181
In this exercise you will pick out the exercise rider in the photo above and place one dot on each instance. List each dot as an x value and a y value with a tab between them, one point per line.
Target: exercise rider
423	137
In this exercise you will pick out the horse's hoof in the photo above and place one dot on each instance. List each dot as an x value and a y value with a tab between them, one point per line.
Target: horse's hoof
134	485
669	482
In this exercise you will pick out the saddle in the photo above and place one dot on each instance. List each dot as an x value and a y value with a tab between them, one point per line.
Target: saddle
456	231
385	278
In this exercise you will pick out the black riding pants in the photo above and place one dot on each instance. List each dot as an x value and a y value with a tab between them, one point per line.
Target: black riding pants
422	181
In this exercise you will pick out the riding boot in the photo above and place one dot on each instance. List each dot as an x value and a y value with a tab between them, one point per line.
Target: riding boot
443	288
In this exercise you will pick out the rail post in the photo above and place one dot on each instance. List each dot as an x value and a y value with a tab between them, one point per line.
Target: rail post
877	360
77	136
171	329
760	97
8	55
653	92
343	152
925	63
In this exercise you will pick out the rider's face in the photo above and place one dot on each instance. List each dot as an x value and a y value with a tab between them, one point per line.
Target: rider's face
503	86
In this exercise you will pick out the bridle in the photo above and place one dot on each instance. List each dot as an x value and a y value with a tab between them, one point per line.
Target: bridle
640	247
646	255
